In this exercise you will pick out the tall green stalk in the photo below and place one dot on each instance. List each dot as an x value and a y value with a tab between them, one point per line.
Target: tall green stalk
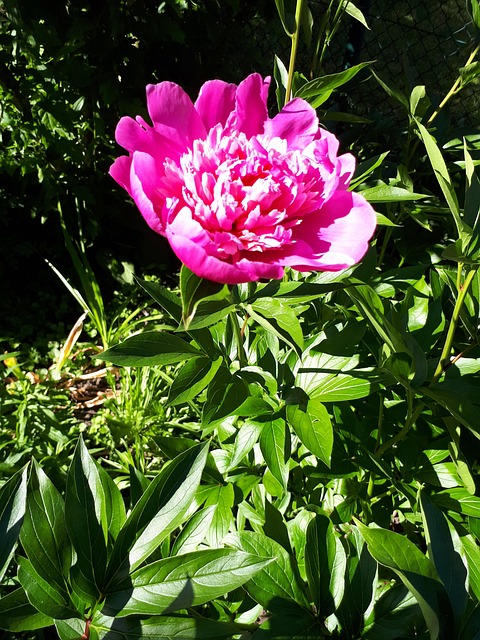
447	347
293	50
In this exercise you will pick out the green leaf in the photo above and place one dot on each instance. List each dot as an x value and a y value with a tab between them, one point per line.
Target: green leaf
355	13
387	193
158	512
416	572
45	597
472	555
44	533
162	628
150	348
318	91
323	377
394	93
173	306
277	587
441	551
395	615
87	520
245	440
12	510
301	626
193	290
17	614
361	585
114	504
194	532
223	498
365	169
459	500
313	426
192	379
469	73
225	394
442	175
325	564
273	315
471	626
280	73
208	313
184	581
275	447
288	21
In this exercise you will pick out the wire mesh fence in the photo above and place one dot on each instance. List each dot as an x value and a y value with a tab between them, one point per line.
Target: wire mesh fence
413	42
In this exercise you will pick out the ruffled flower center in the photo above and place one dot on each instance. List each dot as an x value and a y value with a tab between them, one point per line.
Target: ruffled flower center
247	194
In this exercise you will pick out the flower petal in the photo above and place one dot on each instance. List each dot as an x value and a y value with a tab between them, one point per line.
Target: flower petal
215	102
334	238
143	180
137	135
250	105
120	171
171	108
191	244
297	123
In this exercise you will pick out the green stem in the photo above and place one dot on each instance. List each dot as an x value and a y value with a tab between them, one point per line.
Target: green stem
454	87
242	358
411	418
447	347
293	51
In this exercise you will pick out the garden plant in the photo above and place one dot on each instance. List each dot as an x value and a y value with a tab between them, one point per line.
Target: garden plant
289	445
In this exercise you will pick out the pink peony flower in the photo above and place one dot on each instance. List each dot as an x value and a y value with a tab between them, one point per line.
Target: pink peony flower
239	195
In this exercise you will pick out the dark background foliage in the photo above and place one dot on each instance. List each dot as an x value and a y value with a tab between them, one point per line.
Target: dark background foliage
70	70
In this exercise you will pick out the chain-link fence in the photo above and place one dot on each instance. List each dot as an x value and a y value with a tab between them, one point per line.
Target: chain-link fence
412	42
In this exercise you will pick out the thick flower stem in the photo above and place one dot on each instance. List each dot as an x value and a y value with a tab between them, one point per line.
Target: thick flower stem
293	51
239	337
447	347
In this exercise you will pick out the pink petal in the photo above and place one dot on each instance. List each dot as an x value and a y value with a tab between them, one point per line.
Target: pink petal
193	247
144	176
120	171
136	135
346	168
171	108
334	238
215	102
251	105
297	123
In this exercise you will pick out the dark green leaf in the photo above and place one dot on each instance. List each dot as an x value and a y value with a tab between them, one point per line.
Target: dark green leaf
325	564
87	519
183	581
44	534
45	597
302	626
12	510
313	426
396	614
275	316
225	394
193	290
192	379
278	586
158	512
416	572
17	614
171	304
275	446
318	90
441	551
471	627
162	628
150	348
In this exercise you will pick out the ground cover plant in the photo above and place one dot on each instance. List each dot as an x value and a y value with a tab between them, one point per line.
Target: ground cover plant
290	442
